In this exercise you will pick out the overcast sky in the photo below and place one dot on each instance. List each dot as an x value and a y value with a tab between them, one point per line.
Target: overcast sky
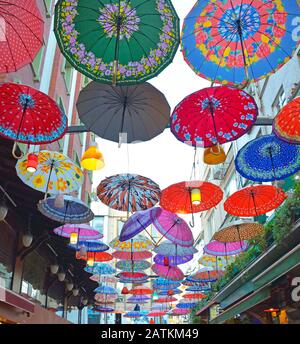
163	159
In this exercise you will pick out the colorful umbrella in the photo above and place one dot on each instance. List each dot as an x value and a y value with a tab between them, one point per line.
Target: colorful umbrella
168	299
205	275
21	36
87	246
179	312
105	298
196	284
85	233
105	289
103	309
128	192
218	263
286	125
73	211
135	266
137	244
169	249
254	200
217	248
162	283
168	272
137	222
241	41
100	269
117	43
172	227
132	256
171	260
104	279
203	288
138	299
133	314
132	275
140	290
268	158
169	292
157	314
213	115
134	280
139	112
55	174
239	231
186	305
194	296
96	257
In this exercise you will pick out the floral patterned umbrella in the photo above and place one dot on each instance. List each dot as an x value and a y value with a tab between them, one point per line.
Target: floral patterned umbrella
135	266
268	158
239	41
132	255
286	125
172	273
117	42
55	174
128	192
105	298
218	263
213	115
73	211
21	36
217	248
137	244
100	269
85	233
254	200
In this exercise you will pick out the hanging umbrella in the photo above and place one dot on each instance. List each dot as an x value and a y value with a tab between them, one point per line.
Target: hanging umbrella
140	290
138	299
128	192
137	244
132	275
194	296
268	158
137	222
55	174
171	260
100	269
85	232
133	314
198	288
239	231
73	211
168	299
186	305
218	263
135	266
87	246
96	257
104	279
165	284
139	112
217	248
21	35
213	116
105	298
168	272
105	289
132	256
286	125
188	282
117	43
254	200
205	275
102	309
237	42
170	249
179	312
157	313
172	227
169	292
134	280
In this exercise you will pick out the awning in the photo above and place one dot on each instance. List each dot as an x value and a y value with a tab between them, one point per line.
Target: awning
15	300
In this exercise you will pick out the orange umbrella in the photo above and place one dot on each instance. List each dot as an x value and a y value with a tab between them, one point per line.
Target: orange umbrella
165	299
195	296
190	197
141	290
254	200
286	124
95	256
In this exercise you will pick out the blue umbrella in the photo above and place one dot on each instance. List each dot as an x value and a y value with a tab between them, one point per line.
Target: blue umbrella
134	314
186	305
164	292
100	269
161	283
134	266
202	288
172	260
105	289
103	309
90	246
268	158
138	299
73	210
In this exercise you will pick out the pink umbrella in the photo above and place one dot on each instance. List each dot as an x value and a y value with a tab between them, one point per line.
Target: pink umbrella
85	232
157	314
180	311
104	298
132	255
217	248
172	227
168	272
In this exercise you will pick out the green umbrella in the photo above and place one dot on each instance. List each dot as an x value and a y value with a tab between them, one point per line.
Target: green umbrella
117	42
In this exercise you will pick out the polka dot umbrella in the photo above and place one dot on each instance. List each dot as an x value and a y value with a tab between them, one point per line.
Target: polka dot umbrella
267	158
286	125
254	201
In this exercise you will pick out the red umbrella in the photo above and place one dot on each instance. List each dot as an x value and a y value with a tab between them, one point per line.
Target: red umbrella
156	314
132	255
254	200
141	290
168	272
213	115
181	197
21	33
29	116
95	257
166	299
132	275
195	296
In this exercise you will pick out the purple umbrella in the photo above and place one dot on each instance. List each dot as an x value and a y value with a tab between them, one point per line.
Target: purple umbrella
138	222
138	299
171	260
85	232
217	248
172	227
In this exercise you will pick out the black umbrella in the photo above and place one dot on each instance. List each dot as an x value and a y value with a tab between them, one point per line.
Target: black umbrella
142	112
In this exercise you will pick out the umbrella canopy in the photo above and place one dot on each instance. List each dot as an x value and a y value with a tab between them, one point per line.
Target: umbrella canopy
286	125
22	29
172	273
105	298
217	248
137	222
103	279
157	314
133	314
179	312
203	288
239	231
169	292
186	305
254	200
141	290
239	41
196	284
268	158
103	309
213	115
177	197
85	233
168	299
218	263
128	192
172	227
137	244
134	280
140	298
88	246
95	256
165	284
171	260
105	289
169	249
194	296
117	43
29	116
205	275
73	211
139	112
100	269
137	276
55	174
135	266
132	256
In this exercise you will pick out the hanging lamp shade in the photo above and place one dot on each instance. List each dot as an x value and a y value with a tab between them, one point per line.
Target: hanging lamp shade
92	158
32	162
214	155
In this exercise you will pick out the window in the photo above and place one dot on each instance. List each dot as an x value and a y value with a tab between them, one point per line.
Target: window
67	71
48	6
280	101
37	64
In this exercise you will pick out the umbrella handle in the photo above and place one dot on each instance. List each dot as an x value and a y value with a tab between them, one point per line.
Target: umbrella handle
192	223
14	153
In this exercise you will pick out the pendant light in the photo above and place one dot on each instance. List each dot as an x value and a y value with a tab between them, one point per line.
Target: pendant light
32	163
92	158
196	196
